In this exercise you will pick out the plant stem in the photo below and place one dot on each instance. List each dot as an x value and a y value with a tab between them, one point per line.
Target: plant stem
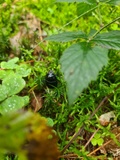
99	4
78	17
82	128
104	28
100	17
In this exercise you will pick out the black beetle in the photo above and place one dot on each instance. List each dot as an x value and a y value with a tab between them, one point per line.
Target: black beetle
51	79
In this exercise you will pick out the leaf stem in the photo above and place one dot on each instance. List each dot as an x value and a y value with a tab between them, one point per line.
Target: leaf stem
78	17
99	4
103	28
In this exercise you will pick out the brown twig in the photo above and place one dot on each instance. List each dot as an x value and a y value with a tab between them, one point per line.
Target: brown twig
82	128
91	138
68	156
35	99
97	149
101	103
73	138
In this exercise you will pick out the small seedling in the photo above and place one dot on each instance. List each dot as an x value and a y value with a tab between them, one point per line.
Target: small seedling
97	140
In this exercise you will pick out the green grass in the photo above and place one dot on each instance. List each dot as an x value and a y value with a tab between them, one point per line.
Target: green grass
67	119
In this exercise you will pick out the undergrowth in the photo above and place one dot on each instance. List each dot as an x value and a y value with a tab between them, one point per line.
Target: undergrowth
76	123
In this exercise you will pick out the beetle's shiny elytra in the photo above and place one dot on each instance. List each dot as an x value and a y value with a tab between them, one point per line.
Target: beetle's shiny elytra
51	80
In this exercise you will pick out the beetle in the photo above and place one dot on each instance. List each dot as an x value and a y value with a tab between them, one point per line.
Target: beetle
51	79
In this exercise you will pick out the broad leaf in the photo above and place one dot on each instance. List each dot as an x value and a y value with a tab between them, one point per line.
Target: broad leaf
113	2
66	36
23	70
13	103
84	7
3	92
13	83
72	1
5	73
110	40
10	64
81	64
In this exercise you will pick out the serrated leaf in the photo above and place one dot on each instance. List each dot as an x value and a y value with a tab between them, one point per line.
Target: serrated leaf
110	40
113	2
10	64
81	64
72	1
84	7
13	83
13	103
23	70
66	36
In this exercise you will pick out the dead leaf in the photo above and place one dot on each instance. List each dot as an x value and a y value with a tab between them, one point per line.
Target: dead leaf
37	102
105	119
112	147
30	33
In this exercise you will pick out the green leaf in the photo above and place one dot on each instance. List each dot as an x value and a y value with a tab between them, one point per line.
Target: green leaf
66	36
112	2
84	7
97	140
23	70
3	92
5	73
97	136
110	40
81	64
72	1
13	83
50	122
10	64
94	142
100	141
13	103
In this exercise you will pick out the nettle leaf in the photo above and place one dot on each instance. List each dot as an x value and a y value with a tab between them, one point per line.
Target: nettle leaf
110	40
81	64
67	36
13	103
13	83
23	70
113	2
84	7
10	64
72	1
